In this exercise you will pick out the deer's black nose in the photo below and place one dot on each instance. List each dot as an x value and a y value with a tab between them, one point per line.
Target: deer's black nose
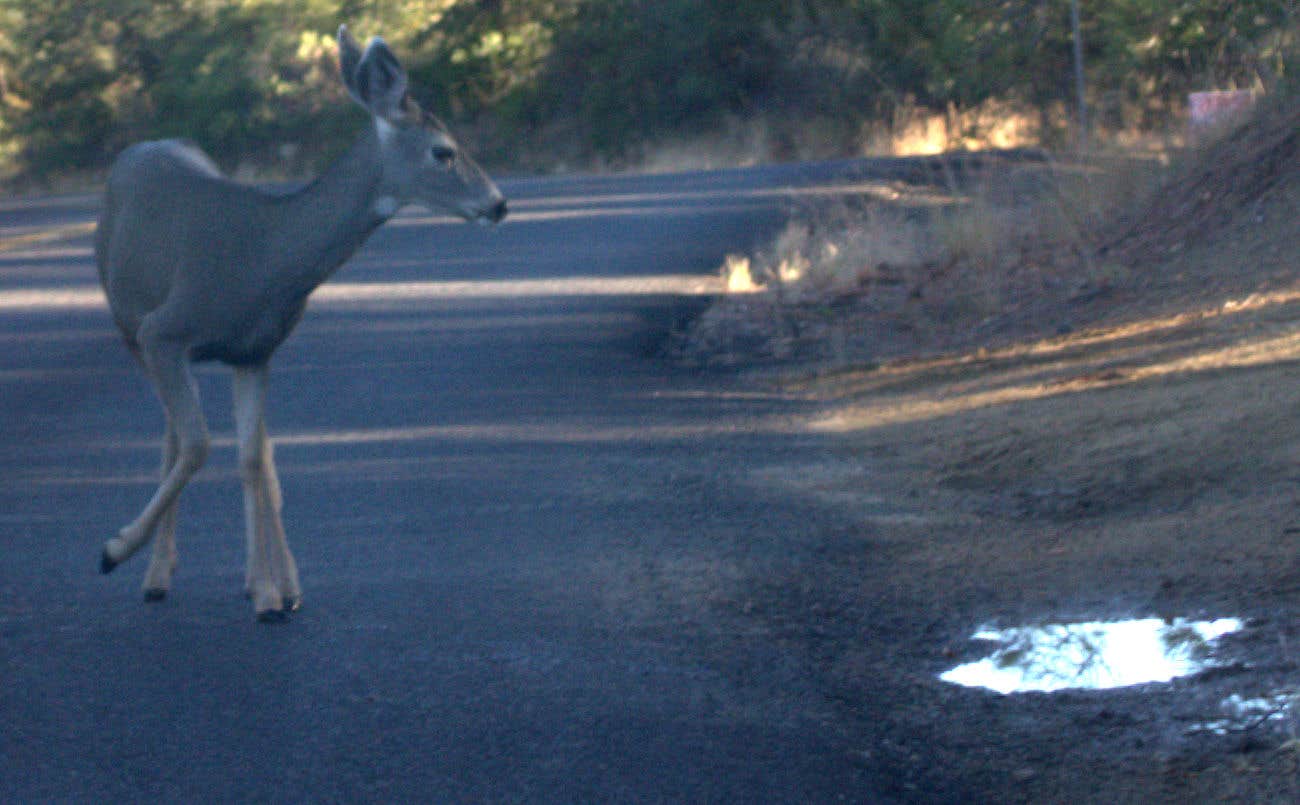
497	211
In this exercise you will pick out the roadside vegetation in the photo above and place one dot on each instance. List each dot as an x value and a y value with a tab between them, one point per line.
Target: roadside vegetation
981	248
548	84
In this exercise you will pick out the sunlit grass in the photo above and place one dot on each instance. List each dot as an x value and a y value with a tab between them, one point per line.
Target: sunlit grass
1096	359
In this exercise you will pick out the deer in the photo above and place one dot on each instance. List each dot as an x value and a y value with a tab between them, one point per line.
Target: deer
197	267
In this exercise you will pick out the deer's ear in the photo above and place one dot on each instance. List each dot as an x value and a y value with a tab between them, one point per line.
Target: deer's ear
378	82
349	58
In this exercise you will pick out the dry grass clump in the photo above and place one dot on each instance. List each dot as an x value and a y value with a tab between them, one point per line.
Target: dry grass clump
840	254
785	300
961	253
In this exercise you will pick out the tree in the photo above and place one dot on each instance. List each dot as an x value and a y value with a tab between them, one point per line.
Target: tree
79	79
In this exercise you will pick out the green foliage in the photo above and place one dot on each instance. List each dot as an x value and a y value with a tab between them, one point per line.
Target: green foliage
631	69
254	80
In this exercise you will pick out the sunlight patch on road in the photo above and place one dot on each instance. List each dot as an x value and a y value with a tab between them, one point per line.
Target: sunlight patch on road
342	294
684	202
879	189
42	300
1092	656
676	284
557	433
576	432
34	237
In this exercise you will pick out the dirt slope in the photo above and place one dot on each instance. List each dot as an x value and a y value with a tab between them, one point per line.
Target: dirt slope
1146	463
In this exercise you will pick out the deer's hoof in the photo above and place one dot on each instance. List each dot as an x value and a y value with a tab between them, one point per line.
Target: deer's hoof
154	594
273	616
106	563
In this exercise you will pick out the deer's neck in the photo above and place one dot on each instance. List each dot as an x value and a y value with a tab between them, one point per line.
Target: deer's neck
324	223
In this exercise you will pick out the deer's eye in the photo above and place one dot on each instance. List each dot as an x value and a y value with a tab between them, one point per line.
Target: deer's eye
443	155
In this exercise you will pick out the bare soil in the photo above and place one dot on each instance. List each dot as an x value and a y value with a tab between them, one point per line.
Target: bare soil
1132	452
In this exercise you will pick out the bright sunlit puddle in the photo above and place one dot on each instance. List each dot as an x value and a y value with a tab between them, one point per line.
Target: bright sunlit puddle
1092	656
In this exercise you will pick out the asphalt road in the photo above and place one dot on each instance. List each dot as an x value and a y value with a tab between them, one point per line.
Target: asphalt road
511	520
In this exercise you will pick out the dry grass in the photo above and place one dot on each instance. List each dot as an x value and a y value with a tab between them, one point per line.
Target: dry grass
993	124
839	255
1244	166
960	251
780	300
981	248
912	131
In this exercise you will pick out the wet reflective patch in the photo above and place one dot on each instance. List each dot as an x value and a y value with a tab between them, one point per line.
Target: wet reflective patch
1242	714
1092	656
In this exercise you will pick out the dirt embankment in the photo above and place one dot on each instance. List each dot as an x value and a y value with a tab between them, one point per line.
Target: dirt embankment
1144	463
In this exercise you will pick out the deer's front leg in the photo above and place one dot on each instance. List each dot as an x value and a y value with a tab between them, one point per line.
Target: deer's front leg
283	567
271	577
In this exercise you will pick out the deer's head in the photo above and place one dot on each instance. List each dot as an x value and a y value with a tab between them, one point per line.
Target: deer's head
422	162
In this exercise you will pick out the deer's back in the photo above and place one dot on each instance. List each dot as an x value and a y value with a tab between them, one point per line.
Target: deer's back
170	221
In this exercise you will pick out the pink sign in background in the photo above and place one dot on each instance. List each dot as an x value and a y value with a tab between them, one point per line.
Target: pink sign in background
1208	109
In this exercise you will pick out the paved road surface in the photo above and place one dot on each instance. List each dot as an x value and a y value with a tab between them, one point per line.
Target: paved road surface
509	518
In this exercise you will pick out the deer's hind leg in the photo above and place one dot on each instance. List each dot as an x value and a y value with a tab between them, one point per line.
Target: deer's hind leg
158	578
167	363
272	575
